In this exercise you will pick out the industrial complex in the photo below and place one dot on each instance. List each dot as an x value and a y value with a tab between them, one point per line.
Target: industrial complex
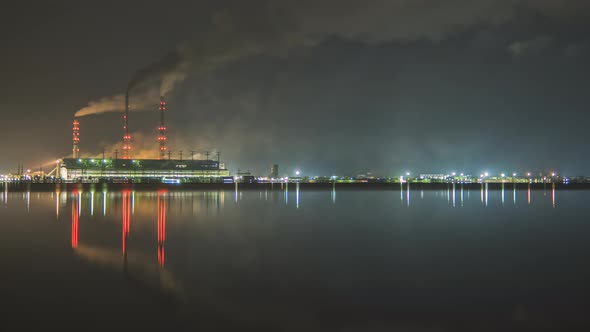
128	169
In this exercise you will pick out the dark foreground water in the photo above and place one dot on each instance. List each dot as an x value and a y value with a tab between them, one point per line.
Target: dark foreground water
297	261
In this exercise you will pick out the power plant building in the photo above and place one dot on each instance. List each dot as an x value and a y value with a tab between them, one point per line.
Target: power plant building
142	169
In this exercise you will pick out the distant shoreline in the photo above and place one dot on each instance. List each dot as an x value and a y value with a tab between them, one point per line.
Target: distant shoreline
52	187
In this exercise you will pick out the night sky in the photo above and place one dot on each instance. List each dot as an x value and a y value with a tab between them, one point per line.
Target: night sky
327	87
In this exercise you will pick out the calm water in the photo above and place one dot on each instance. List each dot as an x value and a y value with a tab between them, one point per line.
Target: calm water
297	261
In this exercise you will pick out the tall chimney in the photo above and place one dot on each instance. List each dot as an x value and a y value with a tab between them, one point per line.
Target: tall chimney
126	136
76	139
162	129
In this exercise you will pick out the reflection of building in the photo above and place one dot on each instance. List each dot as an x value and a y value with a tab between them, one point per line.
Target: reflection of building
274	171
73	169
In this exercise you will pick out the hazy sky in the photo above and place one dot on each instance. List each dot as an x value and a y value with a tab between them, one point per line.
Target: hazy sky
328	87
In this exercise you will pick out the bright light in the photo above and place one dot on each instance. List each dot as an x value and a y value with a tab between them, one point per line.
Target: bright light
487	174
528	174
407	173
514	174
552	174
462	174
453	173
296	172
503	175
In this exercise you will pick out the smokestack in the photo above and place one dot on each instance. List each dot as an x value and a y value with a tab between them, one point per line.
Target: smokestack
76	139
162	129
126	136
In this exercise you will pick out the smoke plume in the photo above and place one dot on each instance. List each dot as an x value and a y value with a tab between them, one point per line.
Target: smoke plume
145	101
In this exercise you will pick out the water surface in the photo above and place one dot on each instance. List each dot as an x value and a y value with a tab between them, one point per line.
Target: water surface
296	260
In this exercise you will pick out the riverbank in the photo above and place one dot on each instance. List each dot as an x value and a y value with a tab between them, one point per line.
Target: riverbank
49	187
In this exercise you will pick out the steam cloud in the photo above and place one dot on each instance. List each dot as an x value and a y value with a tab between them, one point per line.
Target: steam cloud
275	27
116	103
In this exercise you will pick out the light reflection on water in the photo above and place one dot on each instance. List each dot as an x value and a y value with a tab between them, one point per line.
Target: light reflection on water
274	254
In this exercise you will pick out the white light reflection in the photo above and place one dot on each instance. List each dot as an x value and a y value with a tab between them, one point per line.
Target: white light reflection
487	194
454	204
286	193
553	195
92	203
297	195
333	193
482	198
529	194
502	193
57	195
104	203
514	194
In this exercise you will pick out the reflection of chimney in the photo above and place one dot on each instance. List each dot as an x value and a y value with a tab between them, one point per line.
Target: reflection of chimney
162	129
126	220
161	226
76	139
75	220
126	136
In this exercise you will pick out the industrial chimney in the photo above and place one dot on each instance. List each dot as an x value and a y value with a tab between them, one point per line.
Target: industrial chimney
76	139
126	136
162	129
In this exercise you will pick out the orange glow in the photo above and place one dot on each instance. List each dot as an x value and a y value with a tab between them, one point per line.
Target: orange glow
161	226
126	219
75	222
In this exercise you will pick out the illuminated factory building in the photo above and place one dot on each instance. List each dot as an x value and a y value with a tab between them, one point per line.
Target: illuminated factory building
137	169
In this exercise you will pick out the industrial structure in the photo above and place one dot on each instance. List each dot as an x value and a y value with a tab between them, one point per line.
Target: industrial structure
126	136
162	130
142	170
76	138
128	169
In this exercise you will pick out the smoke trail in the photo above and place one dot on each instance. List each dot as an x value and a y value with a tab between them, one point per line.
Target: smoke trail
157	70
144	101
